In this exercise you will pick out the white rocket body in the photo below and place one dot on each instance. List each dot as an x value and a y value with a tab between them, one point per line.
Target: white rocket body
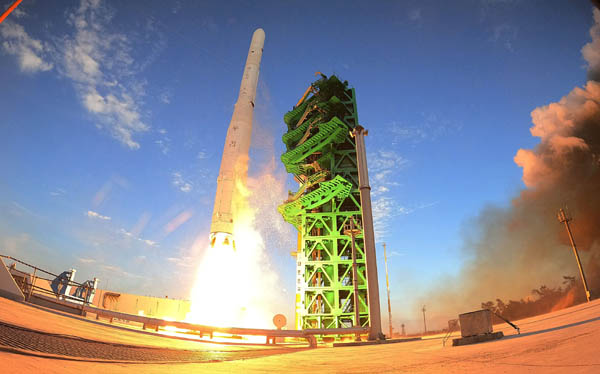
237	145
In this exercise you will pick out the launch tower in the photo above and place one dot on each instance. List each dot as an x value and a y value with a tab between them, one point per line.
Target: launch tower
321	155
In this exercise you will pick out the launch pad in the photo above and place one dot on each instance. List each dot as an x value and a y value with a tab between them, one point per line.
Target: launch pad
561	341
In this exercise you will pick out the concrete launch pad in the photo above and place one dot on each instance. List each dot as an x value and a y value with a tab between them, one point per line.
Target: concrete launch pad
551	343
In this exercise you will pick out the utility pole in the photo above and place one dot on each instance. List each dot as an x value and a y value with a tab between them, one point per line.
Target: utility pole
424	321
368	234
353	231
563	218
387	282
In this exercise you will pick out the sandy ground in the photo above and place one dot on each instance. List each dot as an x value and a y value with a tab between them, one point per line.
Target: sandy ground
567	341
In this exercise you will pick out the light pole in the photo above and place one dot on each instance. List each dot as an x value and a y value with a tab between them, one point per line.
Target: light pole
424	321
387	282
563	218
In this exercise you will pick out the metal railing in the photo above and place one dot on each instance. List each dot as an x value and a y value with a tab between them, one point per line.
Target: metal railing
27	283
28	288
270	334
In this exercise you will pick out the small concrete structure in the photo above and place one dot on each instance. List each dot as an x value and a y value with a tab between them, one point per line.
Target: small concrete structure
476	327
475	323
8	287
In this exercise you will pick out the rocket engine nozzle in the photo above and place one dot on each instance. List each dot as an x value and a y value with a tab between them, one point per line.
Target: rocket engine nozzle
221	239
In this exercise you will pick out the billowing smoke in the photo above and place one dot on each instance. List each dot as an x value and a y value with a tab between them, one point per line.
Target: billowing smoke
511	251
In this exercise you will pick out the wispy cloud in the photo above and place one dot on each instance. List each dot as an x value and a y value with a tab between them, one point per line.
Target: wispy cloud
32	54
179	182
430	127
58	192
117	270
151	243
163	145
99	63
165	97
176	7
184	261
385	208
131	235
19	210
505	34
92	214
86	260
415	15
384	167
19	12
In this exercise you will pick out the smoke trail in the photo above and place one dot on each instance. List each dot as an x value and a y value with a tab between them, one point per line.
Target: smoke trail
513	250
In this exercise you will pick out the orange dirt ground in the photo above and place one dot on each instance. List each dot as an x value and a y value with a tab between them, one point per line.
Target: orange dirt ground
563	341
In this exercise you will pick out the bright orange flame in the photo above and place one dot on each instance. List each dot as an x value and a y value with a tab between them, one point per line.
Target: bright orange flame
235	286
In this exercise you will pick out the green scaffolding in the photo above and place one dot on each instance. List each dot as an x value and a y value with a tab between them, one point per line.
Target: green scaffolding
321	154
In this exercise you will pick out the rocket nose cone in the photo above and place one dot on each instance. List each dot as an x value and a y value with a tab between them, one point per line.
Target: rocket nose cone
258	36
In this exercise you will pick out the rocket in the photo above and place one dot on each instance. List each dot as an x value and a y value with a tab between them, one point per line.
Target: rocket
237	145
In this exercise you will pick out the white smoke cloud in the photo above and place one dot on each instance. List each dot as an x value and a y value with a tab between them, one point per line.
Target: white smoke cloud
555	125
591	51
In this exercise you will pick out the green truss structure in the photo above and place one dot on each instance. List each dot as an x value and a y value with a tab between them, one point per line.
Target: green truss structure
322	156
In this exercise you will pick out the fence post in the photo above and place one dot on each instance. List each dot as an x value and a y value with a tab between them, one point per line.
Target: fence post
33	277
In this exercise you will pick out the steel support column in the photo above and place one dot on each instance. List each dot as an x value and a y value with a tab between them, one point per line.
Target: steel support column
369	235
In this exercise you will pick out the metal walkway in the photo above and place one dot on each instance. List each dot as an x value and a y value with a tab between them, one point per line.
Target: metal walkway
39	342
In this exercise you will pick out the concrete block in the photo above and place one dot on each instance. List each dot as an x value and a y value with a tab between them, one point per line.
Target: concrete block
477	338
53	303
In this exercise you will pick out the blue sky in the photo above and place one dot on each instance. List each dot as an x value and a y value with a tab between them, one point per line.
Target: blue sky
114	116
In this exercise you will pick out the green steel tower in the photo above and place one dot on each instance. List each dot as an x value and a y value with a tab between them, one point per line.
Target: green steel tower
321	155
